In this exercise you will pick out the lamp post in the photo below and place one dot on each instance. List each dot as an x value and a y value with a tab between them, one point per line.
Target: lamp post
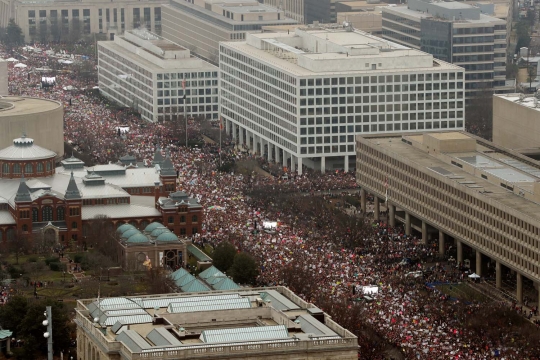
48	335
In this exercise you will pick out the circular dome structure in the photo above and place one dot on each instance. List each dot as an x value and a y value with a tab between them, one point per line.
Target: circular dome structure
167	236
124	227
128	233
24	158
152	226
159	231
137	239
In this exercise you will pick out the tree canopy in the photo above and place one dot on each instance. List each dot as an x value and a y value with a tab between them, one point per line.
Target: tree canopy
13	35
244	269
223	256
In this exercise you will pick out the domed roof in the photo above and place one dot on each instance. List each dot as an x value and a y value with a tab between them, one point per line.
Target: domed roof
159	231
124	227
167	236
127	234
23	148
137	239
152	226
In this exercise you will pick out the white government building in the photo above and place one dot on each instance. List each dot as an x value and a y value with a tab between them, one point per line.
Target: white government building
146	72
304	95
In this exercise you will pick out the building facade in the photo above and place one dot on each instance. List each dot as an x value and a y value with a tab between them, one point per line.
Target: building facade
93	16
454	32
301	97
199	25
38	199
516	121
322	11
459	186
247	323
156	77
294	9
40	119
3	77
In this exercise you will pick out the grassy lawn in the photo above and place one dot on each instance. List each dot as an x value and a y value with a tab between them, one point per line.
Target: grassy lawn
463	292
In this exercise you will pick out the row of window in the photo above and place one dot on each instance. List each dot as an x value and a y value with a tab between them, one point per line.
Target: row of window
28	168
194	219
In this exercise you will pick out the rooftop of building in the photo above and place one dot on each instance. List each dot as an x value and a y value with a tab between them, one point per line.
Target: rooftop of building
530	101
477	165
209	321
18	105
81	3
304	51
24	149
415	14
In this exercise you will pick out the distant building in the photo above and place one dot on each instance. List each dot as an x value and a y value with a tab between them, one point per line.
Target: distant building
247	323
516	122
457	33
199	25
322	11
157	77
310	91
95	16
3	77
369	21
294	9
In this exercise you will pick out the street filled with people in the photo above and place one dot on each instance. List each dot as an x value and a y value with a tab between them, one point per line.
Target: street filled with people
419	320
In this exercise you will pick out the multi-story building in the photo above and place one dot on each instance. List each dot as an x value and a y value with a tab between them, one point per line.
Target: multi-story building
454	32
305	94
92	16
323	11
461	187
199	25
157	77
247	323
516	122
294	9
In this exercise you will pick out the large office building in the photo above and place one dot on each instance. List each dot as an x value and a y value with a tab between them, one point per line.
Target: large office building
294	9
199	25
94	16
157	77
246	323
516	122
485	197
454	32
305	94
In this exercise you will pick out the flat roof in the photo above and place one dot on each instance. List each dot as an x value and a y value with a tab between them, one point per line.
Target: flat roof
488	157
420	15
452	135
20	105
530	101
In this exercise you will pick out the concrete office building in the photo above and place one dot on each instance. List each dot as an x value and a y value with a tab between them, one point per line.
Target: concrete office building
143	71
3	77
456	185
516	122
199	25
41	119
95	16
369	21
323	11
454	32
300	97
247	323
294	9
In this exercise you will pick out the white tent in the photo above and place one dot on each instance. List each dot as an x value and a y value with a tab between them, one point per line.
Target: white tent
68	62
69	88
12	59
474	276
20	65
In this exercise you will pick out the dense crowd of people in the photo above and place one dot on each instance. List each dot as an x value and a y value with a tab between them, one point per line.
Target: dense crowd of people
400	312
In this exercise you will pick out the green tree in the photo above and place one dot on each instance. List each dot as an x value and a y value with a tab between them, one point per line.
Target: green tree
223	256
14	36
11	313
244	269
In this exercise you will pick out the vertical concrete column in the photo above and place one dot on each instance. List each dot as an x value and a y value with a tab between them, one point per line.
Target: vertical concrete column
240	135
270	152
228	124
276	149
537	306
441	243
392	214
232	131
407	223
363	200
459	247
293	165
376	208
299	161
478	263
519	288
498	275
424	233
323	164
346	164
285	157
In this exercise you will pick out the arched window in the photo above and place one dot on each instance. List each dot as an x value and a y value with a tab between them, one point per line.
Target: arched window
25	227
171	219
29	169
61	213
194	231
182	218
144	224
47	214
10	234
1	235
16	169
74	225
5	168
40	167
35	214
194	218
48	166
